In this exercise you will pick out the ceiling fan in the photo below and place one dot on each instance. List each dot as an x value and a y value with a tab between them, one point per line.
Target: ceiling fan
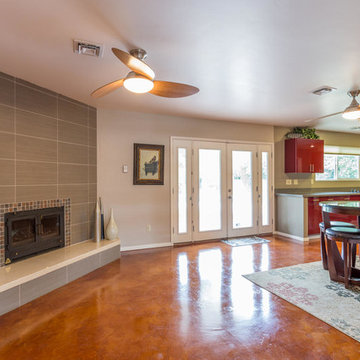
352	112
141	79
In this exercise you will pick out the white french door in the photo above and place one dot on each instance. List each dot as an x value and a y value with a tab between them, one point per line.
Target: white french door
209	190
220	190
242	189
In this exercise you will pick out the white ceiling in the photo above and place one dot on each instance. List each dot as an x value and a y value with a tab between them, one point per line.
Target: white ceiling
254	61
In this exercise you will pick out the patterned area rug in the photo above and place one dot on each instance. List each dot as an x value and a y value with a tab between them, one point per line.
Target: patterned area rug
245	241
309	287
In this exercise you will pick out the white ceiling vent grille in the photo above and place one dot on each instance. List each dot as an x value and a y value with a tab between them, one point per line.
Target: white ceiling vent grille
323	90
88	48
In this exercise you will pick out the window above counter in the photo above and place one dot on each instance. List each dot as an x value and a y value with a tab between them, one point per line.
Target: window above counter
340	164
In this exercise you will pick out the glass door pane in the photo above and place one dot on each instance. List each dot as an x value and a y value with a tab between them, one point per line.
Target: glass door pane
242	206
209	190
182	191
265	188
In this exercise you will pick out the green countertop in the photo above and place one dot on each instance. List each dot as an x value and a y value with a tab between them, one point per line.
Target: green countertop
316	192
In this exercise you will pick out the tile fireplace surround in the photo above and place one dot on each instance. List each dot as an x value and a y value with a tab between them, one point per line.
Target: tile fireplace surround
33	205
48	158
48	151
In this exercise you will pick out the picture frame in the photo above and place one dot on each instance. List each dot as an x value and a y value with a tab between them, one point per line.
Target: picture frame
148	164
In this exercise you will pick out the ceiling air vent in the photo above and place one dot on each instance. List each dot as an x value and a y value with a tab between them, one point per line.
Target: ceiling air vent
323	90
88	48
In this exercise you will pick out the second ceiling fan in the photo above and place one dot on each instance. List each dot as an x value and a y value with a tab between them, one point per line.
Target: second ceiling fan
141	79
352	112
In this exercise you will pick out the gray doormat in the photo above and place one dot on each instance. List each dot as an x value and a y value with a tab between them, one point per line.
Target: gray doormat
251	240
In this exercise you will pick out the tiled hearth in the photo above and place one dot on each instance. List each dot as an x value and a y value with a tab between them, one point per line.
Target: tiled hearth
33	205
25	280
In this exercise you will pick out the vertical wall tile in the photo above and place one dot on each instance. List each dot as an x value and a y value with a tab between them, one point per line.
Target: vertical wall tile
79	213
78	193
36	192
7	116
34	149
92	117
7	194
36	101
73	174
35	173
7	146
73	112
74	154
7	93
92	137
73	133
7	173
79	232
92	155
32	124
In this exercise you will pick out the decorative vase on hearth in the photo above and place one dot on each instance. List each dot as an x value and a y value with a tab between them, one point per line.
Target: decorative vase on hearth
111	229
97	223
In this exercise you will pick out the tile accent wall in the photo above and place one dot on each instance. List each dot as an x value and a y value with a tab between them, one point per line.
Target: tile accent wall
48	150
33	205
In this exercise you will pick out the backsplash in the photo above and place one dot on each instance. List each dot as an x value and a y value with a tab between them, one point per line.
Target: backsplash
48	150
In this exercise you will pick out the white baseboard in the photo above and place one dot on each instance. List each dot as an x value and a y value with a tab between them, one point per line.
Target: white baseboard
293	237
145	246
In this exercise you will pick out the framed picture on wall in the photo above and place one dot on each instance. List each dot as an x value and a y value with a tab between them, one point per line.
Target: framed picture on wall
148	164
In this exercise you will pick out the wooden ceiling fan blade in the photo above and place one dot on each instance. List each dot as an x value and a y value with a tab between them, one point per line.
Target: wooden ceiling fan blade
172	90
134	64
108	88
323	117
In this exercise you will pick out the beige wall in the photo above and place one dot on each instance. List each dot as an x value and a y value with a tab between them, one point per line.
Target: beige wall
47	150
135	206
308	180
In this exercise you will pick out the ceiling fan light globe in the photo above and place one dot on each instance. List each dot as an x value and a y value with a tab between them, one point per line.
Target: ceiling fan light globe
352	114
138	84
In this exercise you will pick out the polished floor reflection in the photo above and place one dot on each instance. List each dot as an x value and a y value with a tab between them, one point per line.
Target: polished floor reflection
188	302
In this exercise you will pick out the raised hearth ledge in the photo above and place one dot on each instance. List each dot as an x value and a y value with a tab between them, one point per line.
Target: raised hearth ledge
26	270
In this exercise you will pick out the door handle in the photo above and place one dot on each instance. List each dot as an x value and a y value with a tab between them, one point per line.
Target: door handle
229	197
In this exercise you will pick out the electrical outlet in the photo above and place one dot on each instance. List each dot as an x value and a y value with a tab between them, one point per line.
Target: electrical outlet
288	181
148	227
296	181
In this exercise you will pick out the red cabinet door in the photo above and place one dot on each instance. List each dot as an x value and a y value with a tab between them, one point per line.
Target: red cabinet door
314	215
304	155
317	156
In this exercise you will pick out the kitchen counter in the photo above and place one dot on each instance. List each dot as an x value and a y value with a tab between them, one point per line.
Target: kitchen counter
305	193
298	213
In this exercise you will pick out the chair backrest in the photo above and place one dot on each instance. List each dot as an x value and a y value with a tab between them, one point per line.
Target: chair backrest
326	219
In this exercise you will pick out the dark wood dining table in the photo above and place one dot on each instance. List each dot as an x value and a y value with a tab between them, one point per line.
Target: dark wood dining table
336	263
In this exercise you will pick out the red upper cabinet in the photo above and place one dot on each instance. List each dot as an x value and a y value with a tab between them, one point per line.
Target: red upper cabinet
304	156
